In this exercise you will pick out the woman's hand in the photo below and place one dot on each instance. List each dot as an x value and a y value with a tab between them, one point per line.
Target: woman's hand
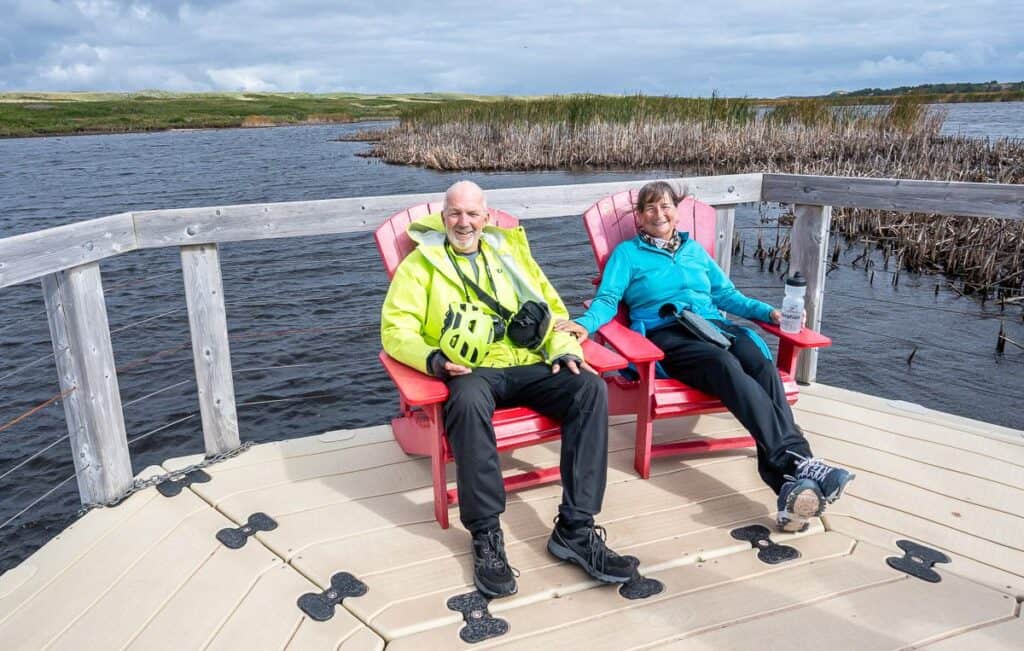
573	328
776	317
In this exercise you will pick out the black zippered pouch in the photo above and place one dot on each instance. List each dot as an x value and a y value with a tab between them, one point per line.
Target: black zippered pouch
702	329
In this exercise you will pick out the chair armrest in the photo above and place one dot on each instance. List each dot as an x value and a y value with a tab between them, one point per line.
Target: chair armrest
601	358
416	388
806	338
630	344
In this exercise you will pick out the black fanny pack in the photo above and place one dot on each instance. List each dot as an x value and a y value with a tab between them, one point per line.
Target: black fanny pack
696	325
529	326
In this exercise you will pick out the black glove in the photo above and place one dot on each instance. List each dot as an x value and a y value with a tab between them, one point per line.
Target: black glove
562	359
435	364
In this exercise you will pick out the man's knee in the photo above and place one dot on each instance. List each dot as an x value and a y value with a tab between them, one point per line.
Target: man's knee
468	394
588	388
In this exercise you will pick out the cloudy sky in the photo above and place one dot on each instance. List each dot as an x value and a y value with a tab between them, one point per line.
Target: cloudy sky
756	48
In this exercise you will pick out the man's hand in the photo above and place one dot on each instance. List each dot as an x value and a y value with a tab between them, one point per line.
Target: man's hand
573	328
451	368
441	367
573	363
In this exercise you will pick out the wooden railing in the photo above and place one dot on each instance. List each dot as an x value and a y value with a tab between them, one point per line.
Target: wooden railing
67	260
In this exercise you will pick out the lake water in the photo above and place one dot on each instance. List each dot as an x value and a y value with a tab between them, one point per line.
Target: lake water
303	314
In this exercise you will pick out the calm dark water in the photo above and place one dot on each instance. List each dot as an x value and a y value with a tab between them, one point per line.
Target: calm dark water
303	313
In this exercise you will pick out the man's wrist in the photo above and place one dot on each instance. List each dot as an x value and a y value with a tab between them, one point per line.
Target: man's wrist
436	362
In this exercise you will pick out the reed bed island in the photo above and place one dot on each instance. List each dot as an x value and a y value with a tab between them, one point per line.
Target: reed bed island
725	136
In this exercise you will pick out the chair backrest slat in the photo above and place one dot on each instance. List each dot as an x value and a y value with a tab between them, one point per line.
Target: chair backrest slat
393	239
613	220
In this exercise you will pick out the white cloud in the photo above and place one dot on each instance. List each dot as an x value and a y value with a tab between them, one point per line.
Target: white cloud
532	46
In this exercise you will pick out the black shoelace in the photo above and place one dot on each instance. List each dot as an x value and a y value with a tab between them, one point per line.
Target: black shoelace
492	554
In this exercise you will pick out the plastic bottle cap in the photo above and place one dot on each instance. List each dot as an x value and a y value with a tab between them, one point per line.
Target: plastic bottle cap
796	280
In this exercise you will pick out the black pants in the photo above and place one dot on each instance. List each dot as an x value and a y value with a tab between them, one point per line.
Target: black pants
748	384
580	402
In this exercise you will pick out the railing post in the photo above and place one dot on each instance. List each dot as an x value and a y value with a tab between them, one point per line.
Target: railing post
80	333
809	247
724	224
207	318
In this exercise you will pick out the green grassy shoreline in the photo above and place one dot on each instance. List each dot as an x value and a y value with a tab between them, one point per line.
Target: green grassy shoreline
50	114
28	114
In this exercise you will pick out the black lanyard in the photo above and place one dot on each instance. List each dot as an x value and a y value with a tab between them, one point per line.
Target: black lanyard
487	299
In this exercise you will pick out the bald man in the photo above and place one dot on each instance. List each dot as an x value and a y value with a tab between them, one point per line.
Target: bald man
462	260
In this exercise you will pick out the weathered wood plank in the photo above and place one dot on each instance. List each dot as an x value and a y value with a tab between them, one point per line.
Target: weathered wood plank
186	226
207	318
809	249
724	223
80	333
28	256
941	197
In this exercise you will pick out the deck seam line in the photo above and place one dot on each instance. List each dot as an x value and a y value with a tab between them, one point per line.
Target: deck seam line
406	459
732	458
75	560
933	416
947	635
912	461
935	522
238	604
951	568
427	519
954	498
545	533
242	466
773	611
295	631
152	616
681	561
116	580
803	408
625	607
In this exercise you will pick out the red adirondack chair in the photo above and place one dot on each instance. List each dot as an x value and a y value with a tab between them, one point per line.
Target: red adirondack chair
610	221
419	428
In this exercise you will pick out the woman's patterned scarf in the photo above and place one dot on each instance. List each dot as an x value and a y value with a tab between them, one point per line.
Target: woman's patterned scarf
670	245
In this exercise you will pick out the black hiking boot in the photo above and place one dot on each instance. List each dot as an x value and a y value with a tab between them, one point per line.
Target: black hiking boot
492	574
586	547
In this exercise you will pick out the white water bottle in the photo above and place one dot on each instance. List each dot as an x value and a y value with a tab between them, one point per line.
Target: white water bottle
793	303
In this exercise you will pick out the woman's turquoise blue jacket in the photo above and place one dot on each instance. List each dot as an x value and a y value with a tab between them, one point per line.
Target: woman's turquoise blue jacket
647	278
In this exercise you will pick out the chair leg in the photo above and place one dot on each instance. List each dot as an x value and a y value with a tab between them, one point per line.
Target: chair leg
644	441
644	421
437	469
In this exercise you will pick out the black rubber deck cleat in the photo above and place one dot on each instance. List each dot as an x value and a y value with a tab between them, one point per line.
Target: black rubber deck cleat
918	561
639	587
768	551
320	605
173	487
480	625
235	538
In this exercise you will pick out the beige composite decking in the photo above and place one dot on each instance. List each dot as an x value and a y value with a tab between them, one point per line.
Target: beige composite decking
149	574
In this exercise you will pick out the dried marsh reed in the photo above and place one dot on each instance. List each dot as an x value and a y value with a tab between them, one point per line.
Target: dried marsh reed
724	136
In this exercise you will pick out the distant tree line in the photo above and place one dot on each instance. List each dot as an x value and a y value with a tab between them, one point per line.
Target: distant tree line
931	89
